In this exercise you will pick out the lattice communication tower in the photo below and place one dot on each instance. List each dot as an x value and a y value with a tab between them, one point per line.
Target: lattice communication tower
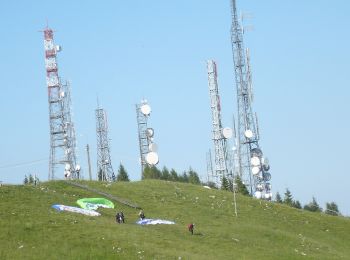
104	164
253	167
148	149
220	134
62	132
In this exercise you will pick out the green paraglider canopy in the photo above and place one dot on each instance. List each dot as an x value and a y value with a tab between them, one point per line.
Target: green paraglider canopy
94	203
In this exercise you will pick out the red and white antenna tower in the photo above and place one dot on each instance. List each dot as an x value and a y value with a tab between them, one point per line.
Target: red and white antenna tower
62	134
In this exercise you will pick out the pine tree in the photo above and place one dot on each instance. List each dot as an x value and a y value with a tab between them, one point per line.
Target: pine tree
313	206
30	179
224	183
25	181
288	198
193	177
173	175
296	204
278	198
332	209
122	174
240	187
165	173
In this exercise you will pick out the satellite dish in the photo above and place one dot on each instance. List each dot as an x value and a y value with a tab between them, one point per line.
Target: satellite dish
67	173
145	109
256	152
268	195
58	48
152	158
266	176
248	133
260	187
227	132
255	170
266	167
255	161
77	167
258	194
67	167
62	94
149	132
68	151
153	147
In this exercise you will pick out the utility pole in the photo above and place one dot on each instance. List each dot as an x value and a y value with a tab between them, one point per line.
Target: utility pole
89	162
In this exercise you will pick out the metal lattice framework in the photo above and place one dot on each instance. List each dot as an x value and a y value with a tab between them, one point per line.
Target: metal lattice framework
62	133
104	164
143	138
252	165
220	146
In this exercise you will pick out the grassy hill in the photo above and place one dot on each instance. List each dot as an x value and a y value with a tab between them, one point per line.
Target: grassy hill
31	229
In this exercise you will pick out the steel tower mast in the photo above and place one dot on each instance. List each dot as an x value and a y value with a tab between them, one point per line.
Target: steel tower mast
220	146
253	166
148	149
62	133
104	164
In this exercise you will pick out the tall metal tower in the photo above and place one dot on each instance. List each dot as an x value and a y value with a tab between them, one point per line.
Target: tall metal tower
253	167
62	133
104	164
220	134
148	149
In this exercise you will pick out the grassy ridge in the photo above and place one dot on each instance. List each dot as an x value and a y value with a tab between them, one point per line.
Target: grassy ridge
31	229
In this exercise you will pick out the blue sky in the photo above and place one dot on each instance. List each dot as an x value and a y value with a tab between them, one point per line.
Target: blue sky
124	51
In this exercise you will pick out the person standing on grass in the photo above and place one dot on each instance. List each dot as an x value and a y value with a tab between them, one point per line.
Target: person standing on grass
191	227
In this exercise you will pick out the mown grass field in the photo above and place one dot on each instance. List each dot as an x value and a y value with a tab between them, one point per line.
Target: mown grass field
31	229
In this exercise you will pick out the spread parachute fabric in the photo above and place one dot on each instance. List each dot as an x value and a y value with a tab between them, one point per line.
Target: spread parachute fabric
154	222
94	203
76	210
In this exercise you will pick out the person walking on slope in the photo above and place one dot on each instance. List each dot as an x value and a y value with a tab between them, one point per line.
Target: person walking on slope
191	227
142	215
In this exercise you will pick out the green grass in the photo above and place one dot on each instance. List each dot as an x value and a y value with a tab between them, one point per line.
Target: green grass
31	229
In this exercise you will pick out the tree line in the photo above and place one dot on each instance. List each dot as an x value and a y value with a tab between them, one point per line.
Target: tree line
313	206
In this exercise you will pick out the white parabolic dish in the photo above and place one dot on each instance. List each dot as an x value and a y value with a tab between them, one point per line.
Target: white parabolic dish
248	133
255	170
152	158
153	147
149	132
255	161
146	109
227	132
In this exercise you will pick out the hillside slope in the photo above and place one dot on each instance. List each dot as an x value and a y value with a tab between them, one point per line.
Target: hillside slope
31	229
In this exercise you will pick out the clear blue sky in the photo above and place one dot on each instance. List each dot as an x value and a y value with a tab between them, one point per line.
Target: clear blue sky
123	51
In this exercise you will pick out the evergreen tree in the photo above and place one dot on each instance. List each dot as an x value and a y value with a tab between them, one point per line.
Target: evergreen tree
25	181
173	175
224	183
122	174
240	187
165	174
30	179
278	198
332	209
313	206
193	177
296	204
156	174
288	198
147	172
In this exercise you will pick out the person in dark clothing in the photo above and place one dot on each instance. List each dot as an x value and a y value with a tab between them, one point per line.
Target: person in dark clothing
191	227
122	217
117	217
142	215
